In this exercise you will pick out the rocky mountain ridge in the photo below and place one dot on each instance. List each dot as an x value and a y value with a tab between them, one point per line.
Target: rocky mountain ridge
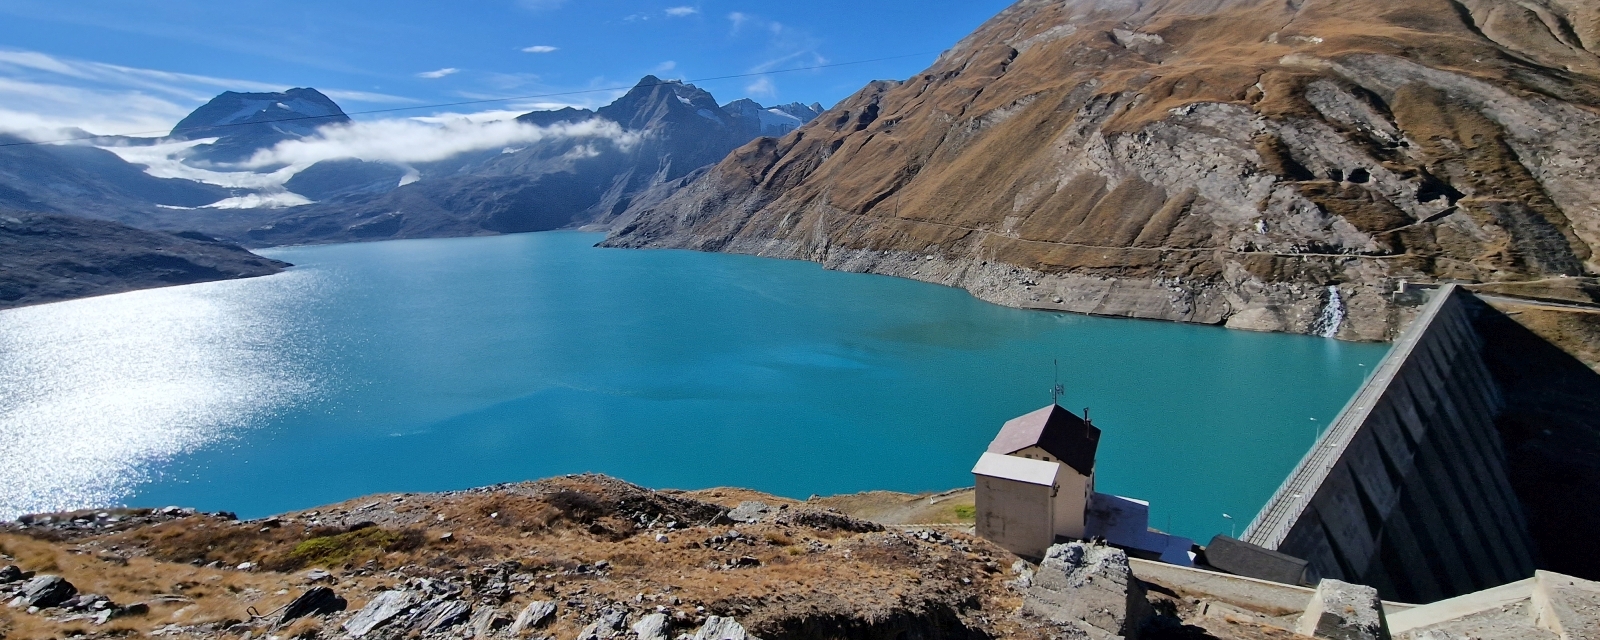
48	258
244	123
1262	164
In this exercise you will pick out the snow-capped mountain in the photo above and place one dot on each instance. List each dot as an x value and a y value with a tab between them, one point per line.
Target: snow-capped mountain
773	121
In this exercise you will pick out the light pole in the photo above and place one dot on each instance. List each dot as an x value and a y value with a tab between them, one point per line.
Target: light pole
1232	527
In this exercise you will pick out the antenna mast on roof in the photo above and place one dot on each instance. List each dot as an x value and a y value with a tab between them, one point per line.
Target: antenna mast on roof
1057	390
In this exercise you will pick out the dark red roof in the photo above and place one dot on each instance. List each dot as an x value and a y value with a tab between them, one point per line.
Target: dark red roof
1057	431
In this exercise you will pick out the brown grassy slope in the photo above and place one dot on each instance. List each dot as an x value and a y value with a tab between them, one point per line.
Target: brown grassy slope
585	542
1197	160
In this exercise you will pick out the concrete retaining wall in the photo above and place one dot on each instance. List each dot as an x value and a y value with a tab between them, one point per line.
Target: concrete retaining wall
1408	490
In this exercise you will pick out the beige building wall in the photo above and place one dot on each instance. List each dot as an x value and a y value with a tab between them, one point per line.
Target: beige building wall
1072	495
1018	516
1071	503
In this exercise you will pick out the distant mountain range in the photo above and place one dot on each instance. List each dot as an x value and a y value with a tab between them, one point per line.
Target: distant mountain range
559	182
590	167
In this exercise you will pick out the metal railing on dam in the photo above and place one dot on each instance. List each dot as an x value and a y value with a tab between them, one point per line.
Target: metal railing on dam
1407	491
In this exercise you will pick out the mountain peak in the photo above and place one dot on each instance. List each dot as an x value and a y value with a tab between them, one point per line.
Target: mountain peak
654	99
297	111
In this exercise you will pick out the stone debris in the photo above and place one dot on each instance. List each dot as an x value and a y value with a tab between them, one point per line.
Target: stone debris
717	628
317	601
534	616
610	625
382	609
1088	589
12	573
751	512
1344	611
651	627
47	591
487	622
441	614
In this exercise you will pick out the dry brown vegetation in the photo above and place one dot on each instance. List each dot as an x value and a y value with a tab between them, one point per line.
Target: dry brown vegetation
777	577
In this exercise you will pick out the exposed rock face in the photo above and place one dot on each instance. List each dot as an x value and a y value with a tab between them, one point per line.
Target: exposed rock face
1088	591
46	258
1265	164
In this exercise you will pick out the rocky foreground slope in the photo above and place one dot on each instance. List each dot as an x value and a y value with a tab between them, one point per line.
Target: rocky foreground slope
1268	164
576	557
593	558
48	258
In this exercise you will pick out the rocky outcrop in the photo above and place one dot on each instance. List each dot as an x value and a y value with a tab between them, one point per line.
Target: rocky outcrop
1262	164
1088	591
46	258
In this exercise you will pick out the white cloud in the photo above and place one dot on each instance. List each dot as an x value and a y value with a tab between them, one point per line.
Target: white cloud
161	161
738	19
682	12
412	141
435	75
44	93
763	86
542	48
666	66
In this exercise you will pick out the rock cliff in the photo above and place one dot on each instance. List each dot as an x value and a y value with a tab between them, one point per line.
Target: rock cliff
1265	164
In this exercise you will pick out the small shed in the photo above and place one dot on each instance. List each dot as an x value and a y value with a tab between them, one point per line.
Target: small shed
1015	502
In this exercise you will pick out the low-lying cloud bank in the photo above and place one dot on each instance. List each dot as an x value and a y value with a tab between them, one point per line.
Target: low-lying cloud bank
409	141
400	142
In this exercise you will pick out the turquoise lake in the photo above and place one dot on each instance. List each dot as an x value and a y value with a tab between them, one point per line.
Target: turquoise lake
446	364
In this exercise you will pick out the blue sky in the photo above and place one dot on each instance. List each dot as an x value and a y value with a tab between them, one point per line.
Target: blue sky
125	66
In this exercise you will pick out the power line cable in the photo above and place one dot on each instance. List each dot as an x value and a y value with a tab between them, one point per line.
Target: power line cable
467	103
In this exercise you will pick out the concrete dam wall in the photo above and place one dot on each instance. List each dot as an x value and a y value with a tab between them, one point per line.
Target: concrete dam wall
1409	490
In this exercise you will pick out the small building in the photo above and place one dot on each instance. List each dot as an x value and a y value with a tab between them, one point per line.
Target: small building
1049	448
1016	503
1035	487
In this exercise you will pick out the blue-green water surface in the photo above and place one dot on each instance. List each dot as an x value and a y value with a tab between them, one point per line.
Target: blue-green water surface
445	364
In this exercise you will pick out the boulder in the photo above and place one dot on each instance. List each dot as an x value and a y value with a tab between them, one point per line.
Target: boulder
717	628
486	622
443	615
533	616
11	573
609	625
1344	611
651	627
382	609
1090	589
317	601
47	591
750	511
